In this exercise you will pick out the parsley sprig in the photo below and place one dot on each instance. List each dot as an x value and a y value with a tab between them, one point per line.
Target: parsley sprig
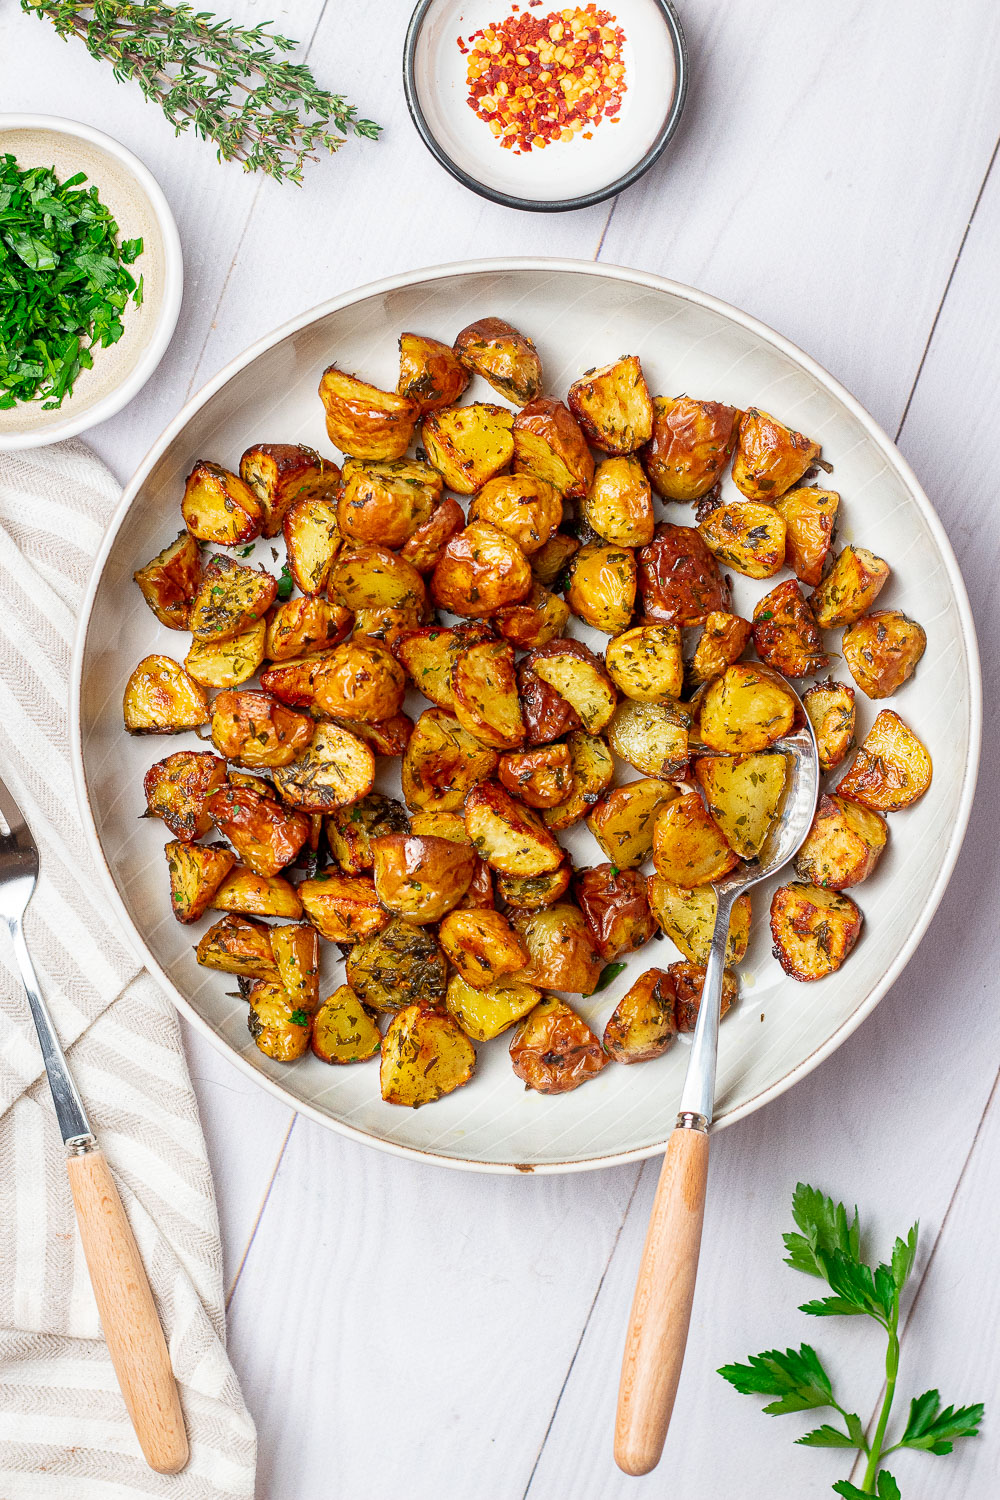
827	1245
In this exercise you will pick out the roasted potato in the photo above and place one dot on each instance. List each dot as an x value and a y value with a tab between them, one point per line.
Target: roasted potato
602	586
554	1050
646	662
745	536
686	915
427	654
296	953
744	794
809	516
266	837
484	688
350	830
506	834
548	442
813	929
294	682
343	1031
849	589
524	507
390	967
360	679
335	770
387	737
690	446
420	877
370	577
178	787
343	908
562	952
540	778
312	540
785	635
227	664
689	848
161	698
744	710
843	845
305	625
479	896
255	895
278	1025
196	872
387	502
689	981
642	1024
169	581
255	729
238	945
612	406
218	507
425	548
619	503
281	473
550	564
387	626
507	359
231	598
679	579
891	770
483	947
653	737
484	1012
444	825
579	677
723	640
830	706
540	618
592	770
481	570
546	713
442	762
425	1055
882	649
531	892
362	420
615	908
468	444
770	457
622	821
429	373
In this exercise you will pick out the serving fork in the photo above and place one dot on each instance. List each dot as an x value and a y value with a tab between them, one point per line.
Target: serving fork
125	1303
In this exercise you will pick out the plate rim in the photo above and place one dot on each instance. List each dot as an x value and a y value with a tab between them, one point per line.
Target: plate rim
498	265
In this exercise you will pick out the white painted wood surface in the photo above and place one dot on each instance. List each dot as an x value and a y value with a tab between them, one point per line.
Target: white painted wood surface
404	1329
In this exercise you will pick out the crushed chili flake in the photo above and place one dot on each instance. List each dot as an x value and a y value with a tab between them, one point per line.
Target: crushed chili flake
539	79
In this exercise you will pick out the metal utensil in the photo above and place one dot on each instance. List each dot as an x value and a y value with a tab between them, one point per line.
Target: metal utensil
661	1308
121	1288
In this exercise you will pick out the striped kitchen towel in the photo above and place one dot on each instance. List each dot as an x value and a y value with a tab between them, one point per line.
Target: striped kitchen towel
64	1432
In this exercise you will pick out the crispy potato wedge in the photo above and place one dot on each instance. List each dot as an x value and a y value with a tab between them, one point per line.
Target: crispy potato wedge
425	548
723	641
350	830
689	981
830	706
642	1024
612	406
746	536
170	580
892	769
592	769
785	635
540	618
343	908
425	1055
686	915
444	825
278	1025
253	895
679	579
549	564
255	729
548	442
744	710
302	626
506	834
602	586
420	877
387	502
809	516
294	682
689	848
646	663
483	947
813	930
481	570
390	967
849	589
770	457
579	677
442	762
177	788
427	655
562	952
619	503
690	446
362	420
296	953
882	649
546	713
343	1031
524	507
653	737
370	577
744	793
540	778
360	679
334	771
531	892
843	845
429	373
508	360
622	821
266	837
235	777
554	1050
227	664
483	1012
312	539
484	688
196	872
468	444
281	473
161	698
238	945
615	908
218	507
232	597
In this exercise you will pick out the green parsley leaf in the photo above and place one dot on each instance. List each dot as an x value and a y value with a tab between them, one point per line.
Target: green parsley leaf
285	582
609	974
796	1377
934	1430
824	1226
887	1488
299	1018
826	1437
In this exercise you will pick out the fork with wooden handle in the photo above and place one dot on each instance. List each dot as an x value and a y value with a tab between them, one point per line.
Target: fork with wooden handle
121	1288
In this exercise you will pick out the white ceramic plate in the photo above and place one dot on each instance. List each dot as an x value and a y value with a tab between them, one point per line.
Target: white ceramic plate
580	315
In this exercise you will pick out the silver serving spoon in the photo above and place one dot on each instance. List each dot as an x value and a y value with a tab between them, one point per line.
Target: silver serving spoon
661	1308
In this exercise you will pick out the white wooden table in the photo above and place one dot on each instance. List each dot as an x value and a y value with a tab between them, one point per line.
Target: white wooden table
404	1329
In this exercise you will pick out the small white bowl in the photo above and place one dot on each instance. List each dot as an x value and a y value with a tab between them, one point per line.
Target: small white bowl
135	200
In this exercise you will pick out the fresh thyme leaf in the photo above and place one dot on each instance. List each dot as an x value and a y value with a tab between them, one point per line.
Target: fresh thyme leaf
796	1377
934	1430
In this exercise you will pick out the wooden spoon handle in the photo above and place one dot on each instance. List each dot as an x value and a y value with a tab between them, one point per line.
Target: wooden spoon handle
128	1314
661	1308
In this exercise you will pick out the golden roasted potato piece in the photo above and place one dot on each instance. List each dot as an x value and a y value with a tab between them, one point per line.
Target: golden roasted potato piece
744	793
509	836
343	1031
196	872
442	762
364	421
813	929
615	908
420	877
686	915
483	947
468	444
281	473
882	649
294	682
484	687
218	507
360	679
809	517
723	641
524	507
689	848
387	502
335	770
312	538
843	845
235	777
531	892
387	737
579	677
679	579
690	446
429	372
390	967
255	729
622	822
232	597
238	945
227	664
343	908
507	359
479	896
554	1050
484	1012
689	981
548	442
161	698
653	737
830	706
539	619
541	778
278	1025
425	1055
178	787
267	837
745	536
427	654
169	581
546	713
619	504
849	589
592	769
296	954
892	769
254	895
562	952
642	1025
302	626
785	635
387	625
425	547
745	710
602	586
612	406
444	825
350	830
549	564
370	577
770	457
480	571
646	662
